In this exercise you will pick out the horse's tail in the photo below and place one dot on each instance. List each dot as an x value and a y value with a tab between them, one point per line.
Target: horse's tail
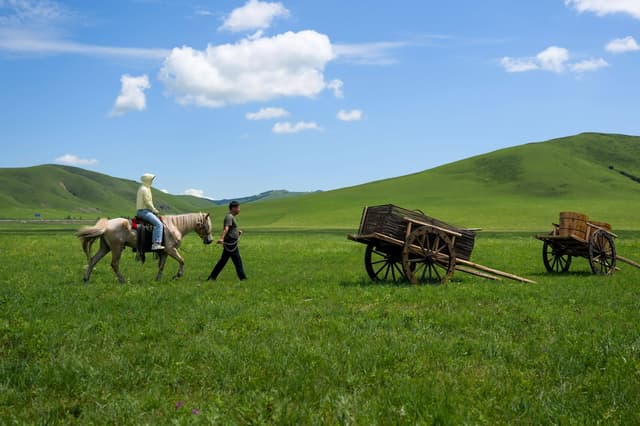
89	234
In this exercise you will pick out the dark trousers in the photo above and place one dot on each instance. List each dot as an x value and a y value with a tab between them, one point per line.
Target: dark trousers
237	262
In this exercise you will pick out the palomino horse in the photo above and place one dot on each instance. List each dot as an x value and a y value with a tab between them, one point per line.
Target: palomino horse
116	234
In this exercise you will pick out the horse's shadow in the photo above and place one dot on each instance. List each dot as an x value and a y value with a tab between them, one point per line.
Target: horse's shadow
366	283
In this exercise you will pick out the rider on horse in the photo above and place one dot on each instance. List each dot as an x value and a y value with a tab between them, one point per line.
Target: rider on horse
148	212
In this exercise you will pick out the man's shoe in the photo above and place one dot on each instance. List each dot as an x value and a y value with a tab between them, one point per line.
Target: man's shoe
156	246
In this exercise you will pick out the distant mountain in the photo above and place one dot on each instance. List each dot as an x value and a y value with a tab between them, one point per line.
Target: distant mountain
264	196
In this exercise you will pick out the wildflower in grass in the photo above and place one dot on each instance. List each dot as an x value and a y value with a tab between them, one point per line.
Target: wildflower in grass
195	411
179	405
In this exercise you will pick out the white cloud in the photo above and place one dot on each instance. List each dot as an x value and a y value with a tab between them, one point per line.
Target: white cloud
267	114
375	53
289	128
518	64
622	45
336	85
35	26
31	12
132	97
553	59
29	42
74	160
289	64
166	191
204	12
194	192
589	65
606	7
353	115
254	15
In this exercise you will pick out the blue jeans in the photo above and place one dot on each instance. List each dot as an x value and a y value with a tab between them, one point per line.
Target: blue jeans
148	215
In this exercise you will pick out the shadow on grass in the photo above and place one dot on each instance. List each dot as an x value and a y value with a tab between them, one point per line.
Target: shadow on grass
366	282
581	274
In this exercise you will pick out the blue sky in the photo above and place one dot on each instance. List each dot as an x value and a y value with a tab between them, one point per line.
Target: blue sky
231	98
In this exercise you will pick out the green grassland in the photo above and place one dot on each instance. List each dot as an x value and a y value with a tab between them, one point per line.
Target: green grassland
309	340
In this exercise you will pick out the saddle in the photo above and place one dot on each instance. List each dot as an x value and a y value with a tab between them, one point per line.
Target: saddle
144	237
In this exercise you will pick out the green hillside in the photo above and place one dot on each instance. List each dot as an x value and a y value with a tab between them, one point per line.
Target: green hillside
61	191
519	188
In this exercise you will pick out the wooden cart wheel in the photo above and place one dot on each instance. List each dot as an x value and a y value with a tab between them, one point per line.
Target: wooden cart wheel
602	253
554	258
428	256
383	266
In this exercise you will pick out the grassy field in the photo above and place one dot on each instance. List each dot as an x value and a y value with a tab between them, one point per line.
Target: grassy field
309	340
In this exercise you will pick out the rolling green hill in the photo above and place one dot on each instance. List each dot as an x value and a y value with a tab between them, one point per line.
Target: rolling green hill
518	188
61	191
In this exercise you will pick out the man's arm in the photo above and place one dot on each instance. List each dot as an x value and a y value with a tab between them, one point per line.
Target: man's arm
224	234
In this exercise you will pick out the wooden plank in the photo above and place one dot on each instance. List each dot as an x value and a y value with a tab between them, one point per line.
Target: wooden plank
406	234
561	238
495	271
388	239
476	273
444	257
628	261
445	230
360	238
363	218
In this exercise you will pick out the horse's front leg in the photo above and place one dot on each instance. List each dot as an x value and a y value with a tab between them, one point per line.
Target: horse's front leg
174	253
104	249
161	263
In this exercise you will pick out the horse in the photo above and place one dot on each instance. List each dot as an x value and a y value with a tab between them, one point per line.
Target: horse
116	234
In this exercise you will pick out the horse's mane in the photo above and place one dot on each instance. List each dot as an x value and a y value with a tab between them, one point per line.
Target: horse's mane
184	221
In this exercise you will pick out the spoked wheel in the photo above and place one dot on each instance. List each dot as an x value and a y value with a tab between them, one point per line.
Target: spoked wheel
383	266
428	256
554	258
602	253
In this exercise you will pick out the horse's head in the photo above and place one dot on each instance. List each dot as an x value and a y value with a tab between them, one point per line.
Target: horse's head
203	228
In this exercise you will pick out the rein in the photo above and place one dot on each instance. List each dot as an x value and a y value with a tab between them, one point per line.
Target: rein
231	247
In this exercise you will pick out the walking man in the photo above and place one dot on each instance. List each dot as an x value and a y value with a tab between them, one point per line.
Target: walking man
229	240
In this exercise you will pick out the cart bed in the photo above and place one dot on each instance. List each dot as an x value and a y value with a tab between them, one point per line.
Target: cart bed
391	221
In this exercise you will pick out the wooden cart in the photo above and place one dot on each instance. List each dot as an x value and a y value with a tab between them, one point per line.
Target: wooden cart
405	245
576	236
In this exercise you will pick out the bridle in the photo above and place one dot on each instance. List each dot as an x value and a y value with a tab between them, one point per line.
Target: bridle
203	229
